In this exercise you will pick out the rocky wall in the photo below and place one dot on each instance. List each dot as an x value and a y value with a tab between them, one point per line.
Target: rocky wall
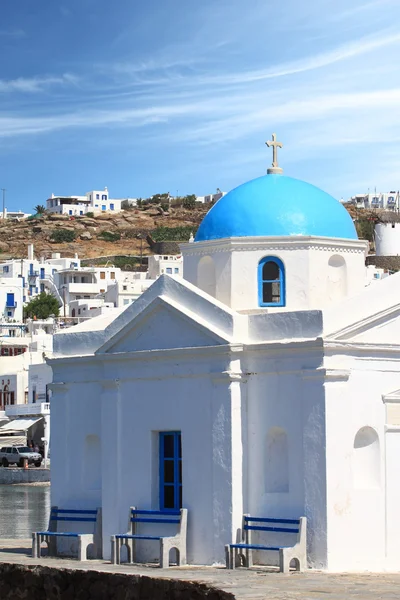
18	582
32	475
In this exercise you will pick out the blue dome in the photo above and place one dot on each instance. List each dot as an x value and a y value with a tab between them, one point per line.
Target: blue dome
276	205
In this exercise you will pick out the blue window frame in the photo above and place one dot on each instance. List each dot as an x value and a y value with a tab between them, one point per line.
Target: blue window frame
97	196
103	207
271	282
70	212
42	273
111	206
6	269
169	270
170	470
104	197
10	302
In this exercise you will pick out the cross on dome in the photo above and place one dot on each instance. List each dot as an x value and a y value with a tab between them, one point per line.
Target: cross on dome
275	145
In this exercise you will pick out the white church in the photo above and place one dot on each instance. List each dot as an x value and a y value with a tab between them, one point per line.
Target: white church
272	368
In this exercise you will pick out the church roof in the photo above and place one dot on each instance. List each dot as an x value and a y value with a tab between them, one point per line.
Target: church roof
276	205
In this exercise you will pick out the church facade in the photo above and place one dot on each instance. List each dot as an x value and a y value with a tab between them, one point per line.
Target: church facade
266	381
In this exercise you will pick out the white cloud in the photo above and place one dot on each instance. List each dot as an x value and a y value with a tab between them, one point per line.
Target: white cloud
35	84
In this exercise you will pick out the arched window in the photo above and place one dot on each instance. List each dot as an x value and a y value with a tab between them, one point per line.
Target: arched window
271	282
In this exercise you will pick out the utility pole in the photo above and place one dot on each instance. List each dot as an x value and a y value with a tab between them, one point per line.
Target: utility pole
4	202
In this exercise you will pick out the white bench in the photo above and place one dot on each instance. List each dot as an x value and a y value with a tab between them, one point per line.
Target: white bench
78	516
129	539
243	551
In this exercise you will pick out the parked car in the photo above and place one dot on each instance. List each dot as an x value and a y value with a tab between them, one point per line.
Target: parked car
10	455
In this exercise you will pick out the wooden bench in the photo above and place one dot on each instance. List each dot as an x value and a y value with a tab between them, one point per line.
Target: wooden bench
63	515
129	539
243	551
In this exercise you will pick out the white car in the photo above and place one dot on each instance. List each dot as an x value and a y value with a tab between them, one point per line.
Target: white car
17	455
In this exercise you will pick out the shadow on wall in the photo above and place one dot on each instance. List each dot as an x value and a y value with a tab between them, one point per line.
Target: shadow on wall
366	460
44	583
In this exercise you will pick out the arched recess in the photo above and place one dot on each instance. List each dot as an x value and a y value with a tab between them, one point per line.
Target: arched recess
92	463
276	461
366	459
337	277
206	277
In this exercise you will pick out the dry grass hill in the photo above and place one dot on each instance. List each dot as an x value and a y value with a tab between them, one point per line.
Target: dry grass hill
103	235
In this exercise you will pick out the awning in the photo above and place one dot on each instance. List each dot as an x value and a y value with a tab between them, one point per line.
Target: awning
19	424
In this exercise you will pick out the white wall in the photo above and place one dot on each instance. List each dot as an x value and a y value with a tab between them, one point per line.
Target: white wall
387	239
319	271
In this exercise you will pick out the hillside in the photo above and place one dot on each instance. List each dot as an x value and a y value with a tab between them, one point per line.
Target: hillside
103	235
119	234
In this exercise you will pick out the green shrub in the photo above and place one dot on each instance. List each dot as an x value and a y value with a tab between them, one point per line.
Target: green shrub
90	215
108	236
63	235
173	234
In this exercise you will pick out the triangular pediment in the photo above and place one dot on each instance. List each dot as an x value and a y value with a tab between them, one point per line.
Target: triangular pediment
380	328
162	325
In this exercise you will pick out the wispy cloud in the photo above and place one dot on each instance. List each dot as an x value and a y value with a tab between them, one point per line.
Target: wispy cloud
12	33
35	84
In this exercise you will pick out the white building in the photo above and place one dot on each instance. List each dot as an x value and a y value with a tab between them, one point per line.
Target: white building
14	215
210	197
270	372
24	397
11	299
387	235
96	201
387	200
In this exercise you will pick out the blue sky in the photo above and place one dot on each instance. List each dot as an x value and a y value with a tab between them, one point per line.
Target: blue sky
180	96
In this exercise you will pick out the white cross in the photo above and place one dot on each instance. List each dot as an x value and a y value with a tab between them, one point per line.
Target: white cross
275	145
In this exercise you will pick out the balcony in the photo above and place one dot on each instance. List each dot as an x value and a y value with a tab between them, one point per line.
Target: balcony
11	304
19	410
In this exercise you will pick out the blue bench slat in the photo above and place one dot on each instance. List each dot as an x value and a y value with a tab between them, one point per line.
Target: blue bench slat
156	512
257	547
64	533
177	521
276	529
270	520
139	537
74	519
73	511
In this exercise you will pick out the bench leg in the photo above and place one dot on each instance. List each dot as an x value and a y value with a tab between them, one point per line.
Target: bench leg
113	550
164	554
35	545
181	549
249	558
284	561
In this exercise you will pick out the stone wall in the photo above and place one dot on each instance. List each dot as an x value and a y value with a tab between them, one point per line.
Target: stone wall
32	475
19	582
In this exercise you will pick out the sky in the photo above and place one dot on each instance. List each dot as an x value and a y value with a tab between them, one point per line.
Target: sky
180	96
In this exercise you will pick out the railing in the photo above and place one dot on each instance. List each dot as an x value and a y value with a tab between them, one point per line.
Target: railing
41	408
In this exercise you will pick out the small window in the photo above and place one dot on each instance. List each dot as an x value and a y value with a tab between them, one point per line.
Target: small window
70	212
103	207
169	270
176	270
111	206
102	275
126	301
271	282
104	197
97	196
124	287
112	275
170	470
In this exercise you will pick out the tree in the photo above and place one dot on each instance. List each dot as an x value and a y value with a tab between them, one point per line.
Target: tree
189	202
40	209
42	307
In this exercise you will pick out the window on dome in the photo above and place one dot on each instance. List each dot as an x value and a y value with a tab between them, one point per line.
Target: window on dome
271	282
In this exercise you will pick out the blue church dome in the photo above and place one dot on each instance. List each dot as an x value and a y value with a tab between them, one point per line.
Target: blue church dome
276	205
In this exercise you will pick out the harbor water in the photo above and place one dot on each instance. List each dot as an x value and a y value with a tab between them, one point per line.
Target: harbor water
23	509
